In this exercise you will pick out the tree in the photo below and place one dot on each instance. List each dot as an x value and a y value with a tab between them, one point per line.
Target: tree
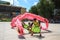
33	10
43	8
46	8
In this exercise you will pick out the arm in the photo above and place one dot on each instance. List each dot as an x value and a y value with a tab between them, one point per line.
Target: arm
31	25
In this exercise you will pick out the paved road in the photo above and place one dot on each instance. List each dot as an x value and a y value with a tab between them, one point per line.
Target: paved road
6	33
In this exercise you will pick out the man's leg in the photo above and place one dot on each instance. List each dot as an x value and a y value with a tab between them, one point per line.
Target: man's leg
40	34
31	33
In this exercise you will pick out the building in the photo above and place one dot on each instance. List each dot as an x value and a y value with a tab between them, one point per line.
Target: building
9	11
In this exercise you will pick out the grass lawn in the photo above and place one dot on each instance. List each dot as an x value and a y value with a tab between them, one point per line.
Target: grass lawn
5	20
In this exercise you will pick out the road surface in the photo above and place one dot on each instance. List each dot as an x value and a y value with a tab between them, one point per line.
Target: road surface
6	33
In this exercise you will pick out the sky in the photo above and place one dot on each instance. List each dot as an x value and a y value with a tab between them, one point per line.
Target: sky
23	3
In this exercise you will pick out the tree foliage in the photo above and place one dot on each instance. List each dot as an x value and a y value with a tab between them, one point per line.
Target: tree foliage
33	10
43	8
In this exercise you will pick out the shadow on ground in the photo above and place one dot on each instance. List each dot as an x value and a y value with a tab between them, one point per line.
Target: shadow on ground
21	37
47	31
37	36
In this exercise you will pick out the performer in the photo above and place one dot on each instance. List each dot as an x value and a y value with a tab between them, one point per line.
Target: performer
35	27
27	26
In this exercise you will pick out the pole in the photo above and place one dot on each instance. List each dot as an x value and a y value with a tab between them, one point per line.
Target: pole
13	2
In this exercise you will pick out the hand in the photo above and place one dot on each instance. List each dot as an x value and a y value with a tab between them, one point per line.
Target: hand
40	27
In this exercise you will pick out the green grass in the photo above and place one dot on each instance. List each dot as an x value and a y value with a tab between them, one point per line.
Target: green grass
6	20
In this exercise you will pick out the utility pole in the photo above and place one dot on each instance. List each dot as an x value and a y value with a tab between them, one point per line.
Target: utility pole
13	2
